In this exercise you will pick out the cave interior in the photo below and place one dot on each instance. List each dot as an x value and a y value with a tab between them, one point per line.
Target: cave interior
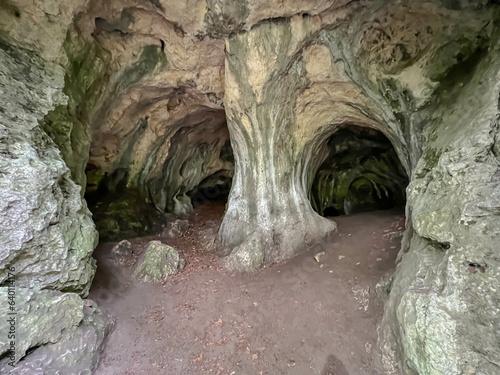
250	187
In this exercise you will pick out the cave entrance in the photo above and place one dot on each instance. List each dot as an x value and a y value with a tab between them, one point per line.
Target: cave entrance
188	167
215	188
362	172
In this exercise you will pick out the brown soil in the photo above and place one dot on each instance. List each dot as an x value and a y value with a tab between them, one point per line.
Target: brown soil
299	317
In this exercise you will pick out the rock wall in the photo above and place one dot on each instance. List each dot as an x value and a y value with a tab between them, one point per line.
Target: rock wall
46	231
46	228
136	96
423	74
444	302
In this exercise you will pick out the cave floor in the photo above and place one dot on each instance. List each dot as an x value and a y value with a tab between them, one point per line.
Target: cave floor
298	317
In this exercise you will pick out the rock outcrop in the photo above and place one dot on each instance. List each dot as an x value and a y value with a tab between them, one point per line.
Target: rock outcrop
444	304
46	230
54	332
142	105
426	79
47	235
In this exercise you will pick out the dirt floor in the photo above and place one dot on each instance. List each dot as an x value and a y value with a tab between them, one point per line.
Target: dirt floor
298	317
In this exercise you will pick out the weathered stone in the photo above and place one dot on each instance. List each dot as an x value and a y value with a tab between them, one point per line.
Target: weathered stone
123	252
45	227
150	89
76	352
39	26
41	317
157	262
55	333
175	228
441	312
268	216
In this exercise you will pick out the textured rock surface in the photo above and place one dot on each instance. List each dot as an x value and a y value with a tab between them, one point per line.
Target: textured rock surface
444	303
46	232
38	26
157	262
45	227
149	87
36	313
76	352
123	252
410	71
56	333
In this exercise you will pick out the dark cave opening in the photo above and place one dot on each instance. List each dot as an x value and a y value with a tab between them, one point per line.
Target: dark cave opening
362	172
331	211
198	169
119	211
214	188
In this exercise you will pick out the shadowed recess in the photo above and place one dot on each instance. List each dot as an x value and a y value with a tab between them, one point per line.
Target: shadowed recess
361	173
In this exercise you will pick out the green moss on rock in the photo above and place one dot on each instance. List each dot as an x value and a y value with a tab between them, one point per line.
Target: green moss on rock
85	85
151	57
157	263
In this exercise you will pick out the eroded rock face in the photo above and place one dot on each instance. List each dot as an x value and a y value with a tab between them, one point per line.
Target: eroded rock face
444	292
415	91
45	227
150	87
72	345
46	232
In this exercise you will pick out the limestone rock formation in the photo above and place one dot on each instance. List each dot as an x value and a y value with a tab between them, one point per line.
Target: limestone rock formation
77	352
361	173
60	332
45	227
444	292
140	107
157	262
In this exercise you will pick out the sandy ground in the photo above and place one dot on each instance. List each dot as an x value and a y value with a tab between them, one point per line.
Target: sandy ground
298	317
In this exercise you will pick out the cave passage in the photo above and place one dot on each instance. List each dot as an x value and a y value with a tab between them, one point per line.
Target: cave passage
362	172
198	167
213	188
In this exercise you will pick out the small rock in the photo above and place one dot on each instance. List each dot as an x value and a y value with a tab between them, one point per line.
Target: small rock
207	238
175	228
122	252
157	262
319	255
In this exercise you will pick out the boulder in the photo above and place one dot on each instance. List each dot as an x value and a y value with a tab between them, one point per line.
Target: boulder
55	333
157	262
